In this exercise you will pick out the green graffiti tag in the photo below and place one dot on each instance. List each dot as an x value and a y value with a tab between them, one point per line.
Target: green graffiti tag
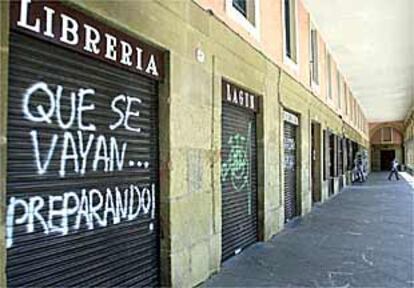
236	164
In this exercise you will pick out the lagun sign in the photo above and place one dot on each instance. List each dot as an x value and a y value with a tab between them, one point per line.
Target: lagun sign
82	154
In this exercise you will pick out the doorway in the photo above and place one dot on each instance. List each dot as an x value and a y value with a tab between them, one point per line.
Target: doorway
386	158
239	176
316	162
291	167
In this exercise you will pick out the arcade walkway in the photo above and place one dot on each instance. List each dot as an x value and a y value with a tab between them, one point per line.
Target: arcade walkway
363	237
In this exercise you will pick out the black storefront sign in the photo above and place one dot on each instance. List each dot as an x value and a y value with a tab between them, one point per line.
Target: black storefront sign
238	169
67	27
235	95
82	173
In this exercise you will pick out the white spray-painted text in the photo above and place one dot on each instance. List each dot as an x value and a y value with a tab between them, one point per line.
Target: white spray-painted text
92	207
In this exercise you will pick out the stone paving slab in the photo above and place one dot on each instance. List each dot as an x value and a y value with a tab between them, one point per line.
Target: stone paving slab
362	237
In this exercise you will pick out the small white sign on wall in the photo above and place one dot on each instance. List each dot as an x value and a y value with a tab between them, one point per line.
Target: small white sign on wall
291	118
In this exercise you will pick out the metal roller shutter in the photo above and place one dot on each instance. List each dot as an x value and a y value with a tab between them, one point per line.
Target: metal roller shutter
239	179
350	155
290	164
344	155
326	156
79	218
340	162
332	163
334	155
340	156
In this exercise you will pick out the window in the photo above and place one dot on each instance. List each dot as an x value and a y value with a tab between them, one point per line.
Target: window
290	32
240	6
246	8
338	82
314	55
329	75
386	134
245	13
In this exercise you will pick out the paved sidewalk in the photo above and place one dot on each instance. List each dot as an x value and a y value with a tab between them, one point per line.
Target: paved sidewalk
363	237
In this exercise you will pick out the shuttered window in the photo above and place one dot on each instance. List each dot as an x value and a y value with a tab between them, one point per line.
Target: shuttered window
314	55
290	29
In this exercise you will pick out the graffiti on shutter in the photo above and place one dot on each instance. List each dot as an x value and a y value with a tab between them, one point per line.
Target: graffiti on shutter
82	184
238	169
290	165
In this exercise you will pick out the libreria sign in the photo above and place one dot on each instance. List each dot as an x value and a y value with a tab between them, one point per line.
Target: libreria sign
67	27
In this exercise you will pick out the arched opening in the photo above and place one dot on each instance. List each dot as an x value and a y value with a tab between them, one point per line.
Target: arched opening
386	145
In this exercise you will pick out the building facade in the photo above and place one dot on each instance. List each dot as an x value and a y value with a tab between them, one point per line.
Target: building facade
409	141
145	142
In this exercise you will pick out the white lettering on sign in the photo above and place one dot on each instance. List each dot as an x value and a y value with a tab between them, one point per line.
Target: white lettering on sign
239	97
126	53
92	39
49	22
24	17
92	207
71	31
291	118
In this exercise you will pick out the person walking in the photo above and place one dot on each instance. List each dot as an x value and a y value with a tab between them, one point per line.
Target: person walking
360	169
394	170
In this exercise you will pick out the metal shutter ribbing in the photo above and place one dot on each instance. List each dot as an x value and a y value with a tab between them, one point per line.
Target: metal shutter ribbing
326	155
122	254
239	179
290	166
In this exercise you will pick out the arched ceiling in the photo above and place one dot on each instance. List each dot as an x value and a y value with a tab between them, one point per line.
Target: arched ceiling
373	43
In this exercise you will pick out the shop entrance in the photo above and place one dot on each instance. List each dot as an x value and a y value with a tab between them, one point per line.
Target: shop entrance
316	162
290	126
238	170
82	162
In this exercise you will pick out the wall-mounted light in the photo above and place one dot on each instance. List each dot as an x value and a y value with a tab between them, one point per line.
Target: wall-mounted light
200	55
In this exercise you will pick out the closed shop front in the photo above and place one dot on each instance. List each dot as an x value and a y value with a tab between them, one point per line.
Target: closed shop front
350	154
82	174
291	122
326	156
340	162
330	160
344	160
333	157
239	169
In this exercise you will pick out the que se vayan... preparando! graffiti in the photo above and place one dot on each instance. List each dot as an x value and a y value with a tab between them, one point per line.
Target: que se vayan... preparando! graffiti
93	207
